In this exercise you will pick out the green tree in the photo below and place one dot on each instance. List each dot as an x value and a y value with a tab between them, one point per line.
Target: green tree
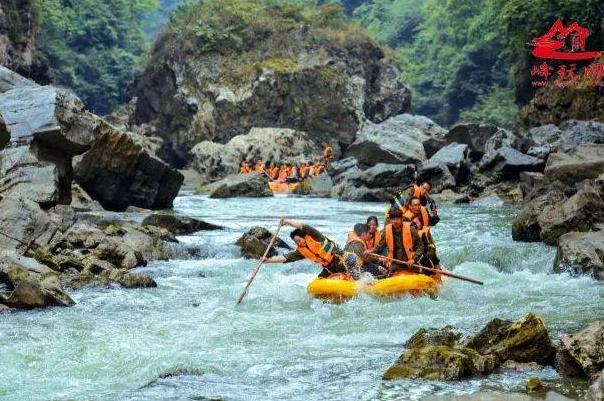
94	46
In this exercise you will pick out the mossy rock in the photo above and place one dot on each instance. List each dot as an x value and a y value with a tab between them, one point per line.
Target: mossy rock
526	340
444	336
440	362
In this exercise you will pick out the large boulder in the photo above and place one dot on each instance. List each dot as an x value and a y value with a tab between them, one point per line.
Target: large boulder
214	160
583	162
116	169
313	82
455	157
525	226
118	172
567	136
480	138
581	253
318	186
398	140
435	354
21	172
582	353
253	185
596	390
25	222
378	183
31	284
440	363
178	225
508	163
526	340
254	242
581	212
438	175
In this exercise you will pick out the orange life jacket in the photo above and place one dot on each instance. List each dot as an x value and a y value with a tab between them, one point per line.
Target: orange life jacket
259	168
407	240
318	252
283	174
418	191
372	242
408	214
327	152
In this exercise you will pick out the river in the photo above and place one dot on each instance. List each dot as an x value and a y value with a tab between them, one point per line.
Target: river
186	339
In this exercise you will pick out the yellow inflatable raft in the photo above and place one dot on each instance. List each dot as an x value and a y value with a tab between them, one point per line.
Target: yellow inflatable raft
339	288
336	288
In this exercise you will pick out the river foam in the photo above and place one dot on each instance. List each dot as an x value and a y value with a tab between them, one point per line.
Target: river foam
186	340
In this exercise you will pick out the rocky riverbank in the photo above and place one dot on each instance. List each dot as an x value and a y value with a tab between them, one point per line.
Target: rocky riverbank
524	345
67	177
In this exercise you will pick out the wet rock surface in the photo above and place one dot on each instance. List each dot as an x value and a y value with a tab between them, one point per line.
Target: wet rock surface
253	185
398	140
437	354
253	243
582	353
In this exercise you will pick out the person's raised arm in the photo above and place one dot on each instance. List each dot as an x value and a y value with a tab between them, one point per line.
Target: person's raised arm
292	223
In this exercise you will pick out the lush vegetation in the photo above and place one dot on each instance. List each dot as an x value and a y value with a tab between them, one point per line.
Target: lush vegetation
466	60
230	29
94	46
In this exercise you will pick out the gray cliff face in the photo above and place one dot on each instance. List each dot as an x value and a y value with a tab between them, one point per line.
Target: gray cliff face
327	89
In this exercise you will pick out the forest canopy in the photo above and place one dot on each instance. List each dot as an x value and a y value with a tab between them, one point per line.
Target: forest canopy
464	60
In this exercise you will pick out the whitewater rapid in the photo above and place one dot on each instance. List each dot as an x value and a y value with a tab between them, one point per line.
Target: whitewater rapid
186	340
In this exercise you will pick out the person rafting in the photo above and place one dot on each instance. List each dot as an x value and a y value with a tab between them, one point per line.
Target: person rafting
374	233
429	258
245	167
400	240
414	209
327	154
259	167
356	244
314	246
422	192
273	171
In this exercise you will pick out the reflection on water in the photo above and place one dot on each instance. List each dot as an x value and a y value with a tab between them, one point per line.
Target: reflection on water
186	340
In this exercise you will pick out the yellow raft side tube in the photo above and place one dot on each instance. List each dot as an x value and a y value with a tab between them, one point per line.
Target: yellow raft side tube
339	290
399	285
334	290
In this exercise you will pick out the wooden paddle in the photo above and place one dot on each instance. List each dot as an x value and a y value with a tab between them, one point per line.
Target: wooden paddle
438	271
257	269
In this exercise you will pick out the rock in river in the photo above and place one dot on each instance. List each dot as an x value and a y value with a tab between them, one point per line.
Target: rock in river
254	185
526	340
31	284
434	354
581	253
254	242
118	172
582	353
178	225
398	140
584	161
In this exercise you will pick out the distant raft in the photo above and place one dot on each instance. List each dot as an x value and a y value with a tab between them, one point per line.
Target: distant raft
282	188
339	288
